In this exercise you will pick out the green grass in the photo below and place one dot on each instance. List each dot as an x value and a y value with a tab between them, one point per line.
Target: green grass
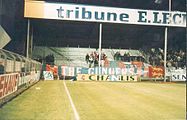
50	102
99	101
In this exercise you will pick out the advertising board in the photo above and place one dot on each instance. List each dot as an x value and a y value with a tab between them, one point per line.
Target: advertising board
8	84
178	75
48	75
94	77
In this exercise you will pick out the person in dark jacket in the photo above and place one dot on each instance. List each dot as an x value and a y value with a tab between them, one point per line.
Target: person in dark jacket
2	71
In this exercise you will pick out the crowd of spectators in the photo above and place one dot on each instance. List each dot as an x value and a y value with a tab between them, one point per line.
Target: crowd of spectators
2	70
155	57
93	59
126	57
175	58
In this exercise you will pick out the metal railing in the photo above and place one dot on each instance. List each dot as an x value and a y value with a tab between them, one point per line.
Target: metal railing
14	63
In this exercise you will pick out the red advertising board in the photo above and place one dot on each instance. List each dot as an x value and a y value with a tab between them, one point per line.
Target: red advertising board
156	72
8	84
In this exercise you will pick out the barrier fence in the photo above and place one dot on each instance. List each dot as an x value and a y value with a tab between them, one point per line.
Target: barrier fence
16	74
11	63
10	83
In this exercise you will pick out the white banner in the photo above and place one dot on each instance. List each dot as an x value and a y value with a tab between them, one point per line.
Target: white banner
95	77
178	75
75	12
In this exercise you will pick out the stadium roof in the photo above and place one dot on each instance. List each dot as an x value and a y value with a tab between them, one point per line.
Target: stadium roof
177	5
114	35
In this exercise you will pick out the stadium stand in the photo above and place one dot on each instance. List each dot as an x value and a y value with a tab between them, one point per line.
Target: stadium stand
75	57
72	56
175	58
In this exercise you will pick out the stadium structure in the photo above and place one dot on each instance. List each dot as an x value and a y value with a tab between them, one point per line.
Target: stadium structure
81	40
111	31
135	37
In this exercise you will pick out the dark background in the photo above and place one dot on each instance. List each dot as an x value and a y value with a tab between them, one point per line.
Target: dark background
84	34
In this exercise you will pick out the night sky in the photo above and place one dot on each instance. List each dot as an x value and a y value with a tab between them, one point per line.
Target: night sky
84	34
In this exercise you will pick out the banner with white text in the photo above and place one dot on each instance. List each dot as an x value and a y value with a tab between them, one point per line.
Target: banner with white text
77	12
127	71
94	77
178	75
8	84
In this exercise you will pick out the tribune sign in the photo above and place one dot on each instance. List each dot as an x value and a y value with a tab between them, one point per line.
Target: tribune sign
77	12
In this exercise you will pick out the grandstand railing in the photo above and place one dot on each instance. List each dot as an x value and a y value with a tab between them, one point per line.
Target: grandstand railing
14	63
17	73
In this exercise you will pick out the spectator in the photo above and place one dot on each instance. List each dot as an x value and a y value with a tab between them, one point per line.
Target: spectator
117	56
50	59
175	58
95	62
91	60
2	71
125	57
87	58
